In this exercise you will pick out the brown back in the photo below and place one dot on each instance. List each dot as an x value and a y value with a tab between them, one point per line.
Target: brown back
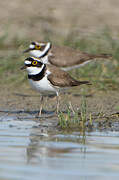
65	56
61	78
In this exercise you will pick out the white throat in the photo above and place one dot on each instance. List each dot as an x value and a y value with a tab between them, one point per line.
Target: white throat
34	70
38	53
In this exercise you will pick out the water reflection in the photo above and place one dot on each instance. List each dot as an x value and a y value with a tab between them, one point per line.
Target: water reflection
48	146
29	150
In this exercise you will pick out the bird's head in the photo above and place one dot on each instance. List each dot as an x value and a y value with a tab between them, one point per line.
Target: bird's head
38	49
33	65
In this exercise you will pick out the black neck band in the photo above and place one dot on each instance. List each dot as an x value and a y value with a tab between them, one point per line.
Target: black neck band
46	52
38	76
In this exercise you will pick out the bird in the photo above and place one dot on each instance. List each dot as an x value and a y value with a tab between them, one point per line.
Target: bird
47	78
63	57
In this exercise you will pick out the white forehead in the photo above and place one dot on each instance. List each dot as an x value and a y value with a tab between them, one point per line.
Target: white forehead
31	46
27	62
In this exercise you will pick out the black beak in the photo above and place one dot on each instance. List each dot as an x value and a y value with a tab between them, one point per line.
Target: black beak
23	67
27	50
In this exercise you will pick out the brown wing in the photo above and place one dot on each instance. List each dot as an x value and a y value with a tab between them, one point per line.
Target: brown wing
65	56
61	78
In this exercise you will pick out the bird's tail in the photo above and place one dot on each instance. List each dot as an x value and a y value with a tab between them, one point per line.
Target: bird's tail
105	56
78	83
84	82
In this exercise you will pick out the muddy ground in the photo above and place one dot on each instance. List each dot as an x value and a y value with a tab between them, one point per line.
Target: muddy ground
26	98
102	106
36	20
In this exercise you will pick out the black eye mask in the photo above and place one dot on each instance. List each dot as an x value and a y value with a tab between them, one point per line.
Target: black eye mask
29	59
39	64
36	63
33	43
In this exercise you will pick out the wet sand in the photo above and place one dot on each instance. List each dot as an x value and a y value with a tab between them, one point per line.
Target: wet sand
25	101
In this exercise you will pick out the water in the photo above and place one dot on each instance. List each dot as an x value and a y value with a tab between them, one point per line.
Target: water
29	150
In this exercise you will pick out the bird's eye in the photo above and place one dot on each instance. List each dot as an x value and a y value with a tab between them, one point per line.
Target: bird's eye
34	63
37	47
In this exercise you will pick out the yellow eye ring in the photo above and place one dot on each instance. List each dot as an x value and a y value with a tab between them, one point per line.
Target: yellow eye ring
34	63
37	47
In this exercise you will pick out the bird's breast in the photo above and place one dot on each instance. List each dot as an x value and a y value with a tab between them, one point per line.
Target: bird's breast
42	86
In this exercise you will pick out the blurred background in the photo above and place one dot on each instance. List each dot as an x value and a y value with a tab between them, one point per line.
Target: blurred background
91	26
31	147
54	20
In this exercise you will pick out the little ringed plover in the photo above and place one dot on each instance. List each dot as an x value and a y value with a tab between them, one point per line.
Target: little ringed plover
47	78
63	57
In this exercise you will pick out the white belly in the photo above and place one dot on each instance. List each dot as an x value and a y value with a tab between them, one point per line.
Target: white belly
43	86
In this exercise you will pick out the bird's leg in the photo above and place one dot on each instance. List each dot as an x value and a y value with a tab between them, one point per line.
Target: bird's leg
41	105
57	108
71	107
